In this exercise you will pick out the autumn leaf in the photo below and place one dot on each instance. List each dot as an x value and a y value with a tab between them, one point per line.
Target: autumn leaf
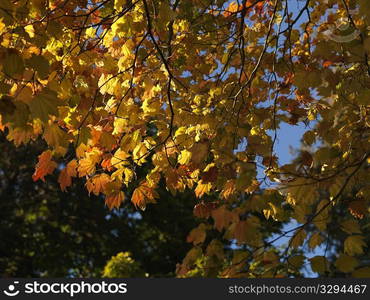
66	174
45	166
298	238
143	195
357	208
319	264
197	235
43	105
194	99
346	263
222	217
97	183
354	245
202	188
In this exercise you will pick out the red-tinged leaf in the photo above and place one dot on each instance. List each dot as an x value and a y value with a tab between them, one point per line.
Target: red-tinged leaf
107	163
204	209
210	175
45	166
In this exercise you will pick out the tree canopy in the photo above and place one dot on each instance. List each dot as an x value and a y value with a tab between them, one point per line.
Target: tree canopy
137	97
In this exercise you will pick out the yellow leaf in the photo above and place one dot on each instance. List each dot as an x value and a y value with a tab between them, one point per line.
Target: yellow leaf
54	136
139	153
120	159
90	32
30	30
202	188
86	166
228	190
119	4
184	157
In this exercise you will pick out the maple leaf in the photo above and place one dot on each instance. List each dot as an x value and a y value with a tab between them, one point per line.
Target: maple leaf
114	200
229	189
43	105
142	195
197	235
65	176
202	188
144	91
45	166
87	165
319	264
354	244
97	184
346	263
204	209
223	217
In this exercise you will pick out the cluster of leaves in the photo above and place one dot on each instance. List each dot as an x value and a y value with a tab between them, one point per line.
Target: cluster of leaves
46	232
129	94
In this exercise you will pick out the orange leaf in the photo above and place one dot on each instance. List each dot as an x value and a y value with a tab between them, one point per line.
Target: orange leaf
228	190
97	184
142	195
45	166
223	217
197	235
327	63
114	199
65	176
